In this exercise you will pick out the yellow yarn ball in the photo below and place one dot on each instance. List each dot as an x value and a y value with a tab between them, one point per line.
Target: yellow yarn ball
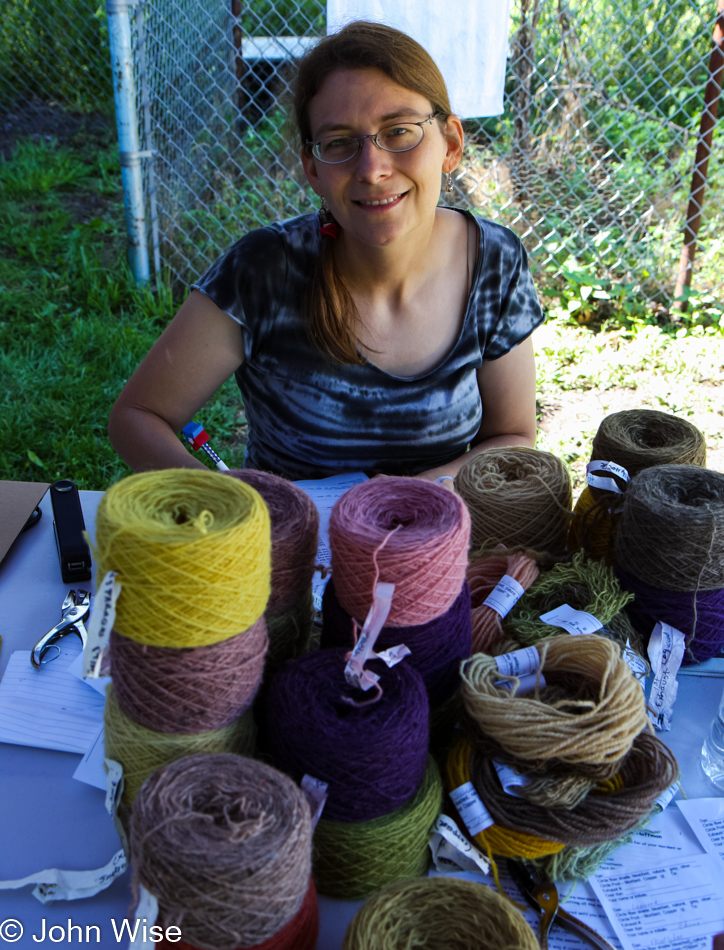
192	550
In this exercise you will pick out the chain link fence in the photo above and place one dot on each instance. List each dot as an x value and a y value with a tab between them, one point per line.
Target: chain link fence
590	163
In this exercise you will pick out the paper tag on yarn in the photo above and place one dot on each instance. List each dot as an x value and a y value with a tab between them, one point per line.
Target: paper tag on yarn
354	672
114	791
55	884
510	778
665	798
666	651
103	615
505	595
392	656
142	931
526	684
575	622
471	808
451	850
315	791
605	481
637	664
518	663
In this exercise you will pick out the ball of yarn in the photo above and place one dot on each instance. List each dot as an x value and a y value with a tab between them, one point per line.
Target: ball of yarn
352	861
484	574
372	756
582	584
193	689
141	751
594	525
671	533
300	933
437	646
404	531
517	497
224	844
192	553
698	614
503	841
588	725
438	913
294	533
602	815
289	632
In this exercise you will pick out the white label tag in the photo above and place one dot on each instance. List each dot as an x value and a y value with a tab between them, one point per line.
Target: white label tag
451	850
519	662
665	798
505	595
666	651
510	779
393	655
102	617
526	684
605	481
354	672
574	621
315	791
471	808
637	664
55	884
143	935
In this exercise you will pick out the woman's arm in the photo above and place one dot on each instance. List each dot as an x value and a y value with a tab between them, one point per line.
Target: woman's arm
507	388
194	355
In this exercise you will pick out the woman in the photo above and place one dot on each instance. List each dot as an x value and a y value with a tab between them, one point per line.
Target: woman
386	334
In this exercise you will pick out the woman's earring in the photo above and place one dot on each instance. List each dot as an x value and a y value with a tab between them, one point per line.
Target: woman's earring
448	182
328	227
323	205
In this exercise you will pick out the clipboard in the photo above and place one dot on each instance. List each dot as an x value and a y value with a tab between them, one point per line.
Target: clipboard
18	500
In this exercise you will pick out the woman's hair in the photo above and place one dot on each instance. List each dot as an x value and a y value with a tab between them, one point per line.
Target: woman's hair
331	313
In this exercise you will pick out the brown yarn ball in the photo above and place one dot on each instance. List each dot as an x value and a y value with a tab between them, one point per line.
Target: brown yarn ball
671	533
483	574
294	535
438	913
224	843
188	689
517	497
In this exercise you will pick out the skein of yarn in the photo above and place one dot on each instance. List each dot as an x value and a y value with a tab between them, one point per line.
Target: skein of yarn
671	533
224	844
372	756
584	721
352	860
192	552
188	690
404	531
484	573
141	751
437	647
438	913
517	496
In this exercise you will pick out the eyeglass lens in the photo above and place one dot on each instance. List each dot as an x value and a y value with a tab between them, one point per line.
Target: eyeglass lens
395	138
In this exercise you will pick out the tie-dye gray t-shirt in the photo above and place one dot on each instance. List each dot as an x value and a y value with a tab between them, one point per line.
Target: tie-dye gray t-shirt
310	417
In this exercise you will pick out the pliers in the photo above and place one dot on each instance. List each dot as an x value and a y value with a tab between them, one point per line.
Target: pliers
76	608
542	896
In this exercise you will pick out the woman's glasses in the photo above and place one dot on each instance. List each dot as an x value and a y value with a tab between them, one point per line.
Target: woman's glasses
334	149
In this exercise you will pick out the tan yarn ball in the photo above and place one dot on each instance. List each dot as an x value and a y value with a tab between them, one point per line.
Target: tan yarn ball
518	497
438	913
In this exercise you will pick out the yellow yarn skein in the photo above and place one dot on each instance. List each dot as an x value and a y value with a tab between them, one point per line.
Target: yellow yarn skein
192	551
593	526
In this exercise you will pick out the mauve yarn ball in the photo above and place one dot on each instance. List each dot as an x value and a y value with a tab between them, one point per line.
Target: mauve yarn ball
372	756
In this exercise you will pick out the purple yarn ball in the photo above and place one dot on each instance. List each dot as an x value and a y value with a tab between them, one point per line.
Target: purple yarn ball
698	614
373	757
437	646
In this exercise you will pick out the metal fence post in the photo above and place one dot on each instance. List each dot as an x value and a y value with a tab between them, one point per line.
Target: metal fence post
124	93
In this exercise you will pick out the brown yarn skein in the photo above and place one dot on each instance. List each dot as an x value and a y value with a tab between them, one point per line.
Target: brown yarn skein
483	574
517	497
224	843
589	736
671	533
188	689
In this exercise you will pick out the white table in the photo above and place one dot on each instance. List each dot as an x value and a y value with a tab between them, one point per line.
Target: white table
48	819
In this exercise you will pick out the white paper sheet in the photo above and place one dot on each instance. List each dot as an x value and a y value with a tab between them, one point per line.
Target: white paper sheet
49	708
706	818
90	769
324	492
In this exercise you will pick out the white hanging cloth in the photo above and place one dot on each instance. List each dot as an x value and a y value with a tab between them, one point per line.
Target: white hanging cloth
468	39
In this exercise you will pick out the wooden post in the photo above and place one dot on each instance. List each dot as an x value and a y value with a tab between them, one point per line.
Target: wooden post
712	94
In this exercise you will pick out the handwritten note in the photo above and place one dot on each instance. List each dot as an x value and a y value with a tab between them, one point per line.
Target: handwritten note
706	818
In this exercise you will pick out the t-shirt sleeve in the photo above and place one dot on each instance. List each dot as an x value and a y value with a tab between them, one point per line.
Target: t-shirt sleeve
245	283
507	303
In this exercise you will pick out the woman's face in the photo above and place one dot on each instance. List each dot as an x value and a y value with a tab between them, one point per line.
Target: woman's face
363	101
